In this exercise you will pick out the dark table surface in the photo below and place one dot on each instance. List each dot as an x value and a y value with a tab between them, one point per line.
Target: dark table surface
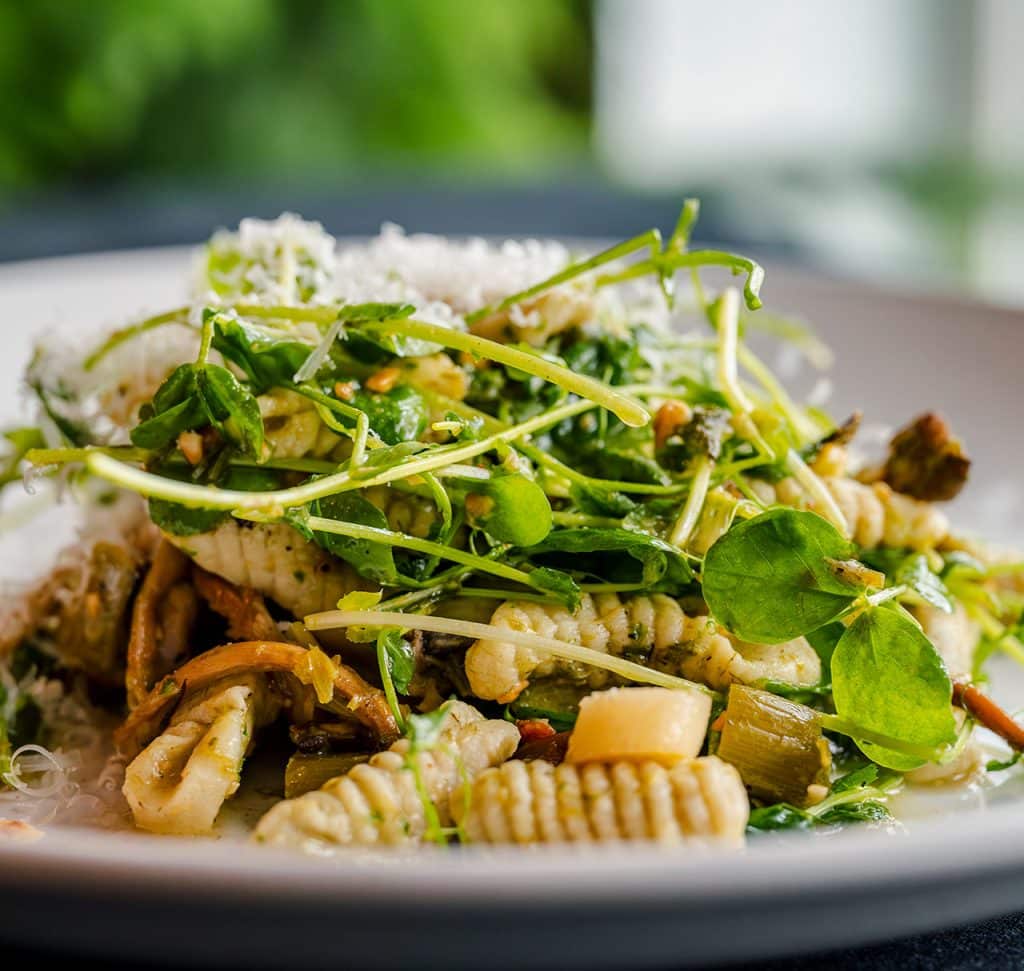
996	945
119	219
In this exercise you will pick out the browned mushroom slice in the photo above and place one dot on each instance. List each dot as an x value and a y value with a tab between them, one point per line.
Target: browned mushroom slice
168	569
926	461
245	610
352	695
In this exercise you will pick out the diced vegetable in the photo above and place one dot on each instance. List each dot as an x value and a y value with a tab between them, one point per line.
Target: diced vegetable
305	773
640	724
775	743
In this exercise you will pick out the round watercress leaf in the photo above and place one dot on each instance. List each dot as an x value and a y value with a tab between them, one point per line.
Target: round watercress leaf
770	578
888	678
511	508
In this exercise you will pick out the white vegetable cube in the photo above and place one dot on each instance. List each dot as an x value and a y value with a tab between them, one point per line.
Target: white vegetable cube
638	724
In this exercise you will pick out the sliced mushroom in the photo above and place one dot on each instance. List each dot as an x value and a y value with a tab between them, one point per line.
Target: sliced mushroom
245	610
143	668
352	695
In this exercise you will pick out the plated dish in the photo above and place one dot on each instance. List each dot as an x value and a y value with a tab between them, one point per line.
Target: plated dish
482	544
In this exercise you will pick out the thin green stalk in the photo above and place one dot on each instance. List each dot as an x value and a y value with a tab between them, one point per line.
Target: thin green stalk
687	521
628	410
387	537
210	497
835	723
665	262
805	430
651	239
331	619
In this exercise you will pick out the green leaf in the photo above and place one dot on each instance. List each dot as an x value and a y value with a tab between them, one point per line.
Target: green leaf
399	657
198	395
824	641
600	502
856	779
511	509
865	811
180	520
888	678
916	574
21	441
560	584
232	409
769	579
779	816
660	559
398	415
268	361
374	561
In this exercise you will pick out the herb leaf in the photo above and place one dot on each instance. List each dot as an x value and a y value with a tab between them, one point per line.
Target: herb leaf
888	678
198	395
399	657
769	579
268	361
511	508
375	561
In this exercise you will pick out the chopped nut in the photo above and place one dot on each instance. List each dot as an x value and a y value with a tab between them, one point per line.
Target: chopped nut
384	380
670	418
191	445
344	390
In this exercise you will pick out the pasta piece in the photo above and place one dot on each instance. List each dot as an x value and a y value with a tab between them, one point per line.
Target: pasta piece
717	660
654	627
275	561
378	803
179	782
293	428
405	512
875	514
537	802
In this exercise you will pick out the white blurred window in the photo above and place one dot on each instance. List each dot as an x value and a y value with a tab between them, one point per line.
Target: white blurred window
799	105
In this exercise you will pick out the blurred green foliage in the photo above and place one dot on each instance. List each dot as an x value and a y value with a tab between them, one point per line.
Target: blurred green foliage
96	90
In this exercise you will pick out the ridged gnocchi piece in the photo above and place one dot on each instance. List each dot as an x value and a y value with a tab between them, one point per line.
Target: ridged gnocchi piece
717	660
655	628
405	512
874	513
878	516
377	803
537	802
276	562
292	427
179	782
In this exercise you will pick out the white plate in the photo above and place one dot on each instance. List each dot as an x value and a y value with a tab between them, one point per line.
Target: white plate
960	856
